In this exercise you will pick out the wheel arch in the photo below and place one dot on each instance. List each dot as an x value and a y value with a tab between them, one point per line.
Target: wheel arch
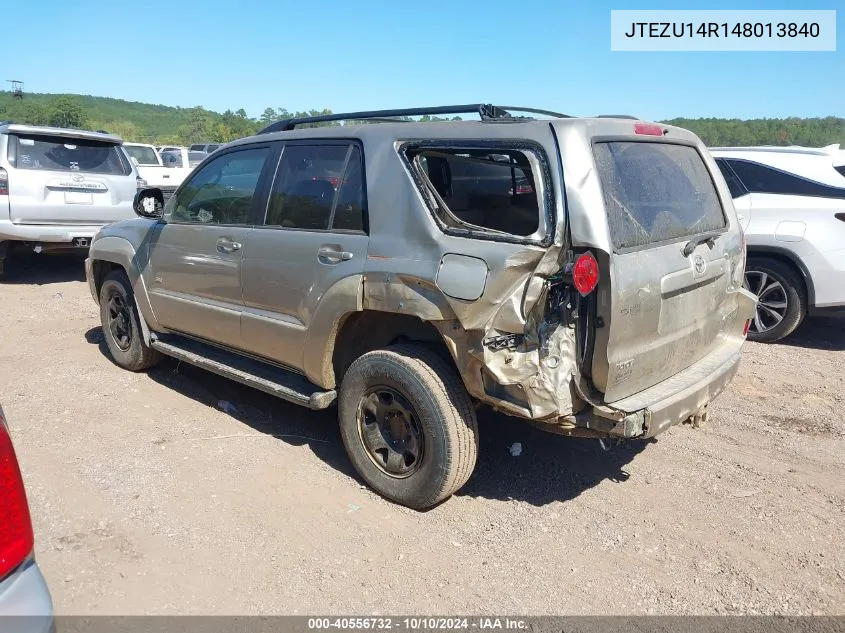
115	253
791	259
369	330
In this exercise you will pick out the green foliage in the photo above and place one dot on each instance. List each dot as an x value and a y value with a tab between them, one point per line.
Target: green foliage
144	122
66	111
792	131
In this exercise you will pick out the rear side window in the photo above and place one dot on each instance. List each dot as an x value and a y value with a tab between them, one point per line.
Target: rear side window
144	155
318	188
58	153
486	190
735	185
656	192
763	179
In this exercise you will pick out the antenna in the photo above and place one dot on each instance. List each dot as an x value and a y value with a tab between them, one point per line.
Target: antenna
17	88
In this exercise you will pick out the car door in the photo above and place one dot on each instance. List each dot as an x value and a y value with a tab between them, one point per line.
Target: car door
194	271
313	238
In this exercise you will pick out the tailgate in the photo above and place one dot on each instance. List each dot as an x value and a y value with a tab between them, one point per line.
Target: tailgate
670	286
58	180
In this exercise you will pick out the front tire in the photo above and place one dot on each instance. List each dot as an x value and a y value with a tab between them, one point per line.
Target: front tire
408	425
122	326
781	299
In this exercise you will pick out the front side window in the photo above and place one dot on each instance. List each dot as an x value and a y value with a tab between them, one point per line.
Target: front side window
656	192
57	153
480	190
222	191
318	188
763	179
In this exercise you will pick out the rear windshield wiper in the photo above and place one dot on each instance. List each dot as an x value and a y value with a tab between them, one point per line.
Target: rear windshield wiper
709	239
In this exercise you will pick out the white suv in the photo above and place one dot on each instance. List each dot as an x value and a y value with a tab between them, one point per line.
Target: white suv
791	204
59	187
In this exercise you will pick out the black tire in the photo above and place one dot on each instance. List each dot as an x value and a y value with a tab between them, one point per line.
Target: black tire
122	326
762	273
442	414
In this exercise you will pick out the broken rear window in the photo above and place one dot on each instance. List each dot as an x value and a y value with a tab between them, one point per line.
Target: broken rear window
481	189
655	192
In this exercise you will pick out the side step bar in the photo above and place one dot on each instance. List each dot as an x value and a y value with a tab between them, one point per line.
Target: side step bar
276	381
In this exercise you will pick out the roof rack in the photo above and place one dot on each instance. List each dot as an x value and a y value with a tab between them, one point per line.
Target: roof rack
618	116
486	111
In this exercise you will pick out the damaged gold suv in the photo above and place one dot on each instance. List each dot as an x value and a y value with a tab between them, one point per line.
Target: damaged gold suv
582	273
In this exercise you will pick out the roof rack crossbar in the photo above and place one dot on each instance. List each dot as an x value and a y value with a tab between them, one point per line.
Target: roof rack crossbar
485	111
557	115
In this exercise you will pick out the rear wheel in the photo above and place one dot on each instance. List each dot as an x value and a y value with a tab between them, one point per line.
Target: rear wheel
122	324
408	425
781	299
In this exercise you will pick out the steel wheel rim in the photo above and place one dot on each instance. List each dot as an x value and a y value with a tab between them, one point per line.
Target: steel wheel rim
772	301
119	322
390	432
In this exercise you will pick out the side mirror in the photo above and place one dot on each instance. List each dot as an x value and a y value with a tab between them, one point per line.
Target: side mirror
148	203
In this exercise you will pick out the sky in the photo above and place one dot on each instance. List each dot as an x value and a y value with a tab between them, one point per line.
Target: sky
350	56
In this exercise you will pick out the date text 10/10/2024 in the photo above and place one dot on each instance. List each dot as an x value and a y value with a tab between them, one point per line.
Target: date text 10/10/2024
417	624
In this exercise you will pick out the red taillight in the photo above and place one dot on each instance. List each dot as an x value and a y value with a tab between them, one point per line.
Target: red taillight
16	538
585	274
746	327
4	182
650	129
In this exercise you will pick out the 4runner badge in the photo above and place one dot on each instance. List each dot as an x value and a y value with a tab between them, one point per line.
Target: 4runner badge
699	264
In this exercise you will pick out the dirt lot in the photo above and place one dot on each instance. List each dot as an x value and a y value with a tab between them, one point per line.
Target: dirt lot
146	498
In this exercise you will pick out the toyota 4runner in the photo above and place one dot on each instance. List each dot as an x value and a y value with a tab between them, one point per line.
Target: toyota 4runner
585	274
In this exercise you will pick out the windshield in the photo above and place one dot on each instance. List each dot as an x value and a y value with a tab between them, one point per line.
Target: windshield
57	153
143	154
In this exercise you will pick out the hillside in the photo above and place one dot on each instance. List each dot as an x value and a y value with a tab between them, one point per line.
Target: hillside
166	124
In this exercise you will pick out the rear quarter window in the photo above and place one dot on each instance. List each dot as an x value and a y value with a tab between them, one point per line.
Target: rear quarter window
57	153
656	192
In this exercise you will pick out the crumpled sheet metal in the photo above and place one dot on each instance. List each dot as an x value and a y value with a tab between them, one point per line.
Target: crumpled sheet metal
544	363
514	302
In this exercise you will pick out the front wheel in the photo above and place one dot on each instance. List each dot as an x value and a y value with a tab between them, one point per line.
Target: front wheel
122	324
408	425
781	299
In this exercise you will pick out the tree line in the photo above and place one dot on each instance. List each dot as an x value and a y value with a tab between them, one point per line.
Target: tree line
162	124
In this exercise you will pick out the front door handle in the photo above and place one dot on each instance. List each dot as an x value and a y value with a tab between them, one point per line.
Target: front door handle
227	245
329	255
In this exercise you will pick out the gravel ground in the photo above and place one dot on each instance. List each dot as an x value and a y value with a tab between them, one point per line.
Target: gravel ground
148	499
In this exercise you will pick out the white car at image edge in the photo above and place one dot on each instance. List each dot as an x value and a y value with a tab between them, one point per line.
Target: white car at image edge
791	205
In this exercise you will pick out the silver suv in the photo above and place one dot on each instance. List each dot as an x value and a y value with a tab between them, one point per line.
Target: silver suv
58	187
583	274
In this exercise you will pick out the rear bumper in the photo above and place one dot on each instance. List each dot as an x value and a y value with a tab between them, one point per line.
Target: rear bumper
671	402
46	232
25	603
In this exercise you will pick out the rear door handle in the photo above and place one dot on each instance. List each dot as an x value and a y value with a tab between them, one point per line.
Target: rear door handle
329	255
227	245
